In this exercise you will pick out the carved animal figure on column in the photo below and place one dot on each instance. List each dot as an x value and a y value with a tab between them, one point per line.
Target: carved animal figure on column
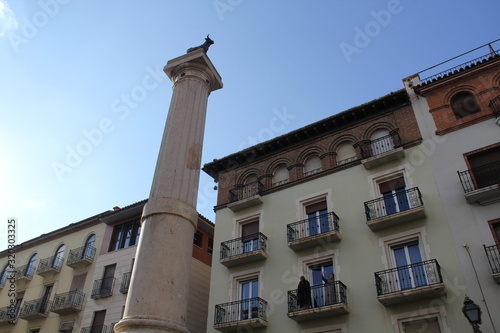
203	46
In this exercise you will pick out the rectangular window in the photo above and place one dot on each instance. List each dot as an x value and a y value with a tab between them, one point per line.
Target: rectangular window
198	238
395	196
485	166
322	280
125	235
98	322
210	248
250	236
317	216
249	293
430	325
407	259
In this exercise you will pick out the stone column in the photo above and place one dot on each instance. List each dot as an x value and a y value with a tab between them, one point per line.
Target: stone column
158	294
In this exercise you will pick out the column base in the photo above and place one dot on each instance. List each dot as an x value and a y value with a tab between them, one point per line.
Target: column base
147	325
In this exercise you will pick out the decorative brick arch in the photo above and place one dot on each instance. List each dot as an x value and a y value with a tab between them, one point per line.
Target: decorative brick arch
272	167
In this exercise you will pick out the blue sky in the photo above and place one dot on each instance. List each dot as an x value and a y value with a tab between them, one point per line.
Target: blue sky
83	100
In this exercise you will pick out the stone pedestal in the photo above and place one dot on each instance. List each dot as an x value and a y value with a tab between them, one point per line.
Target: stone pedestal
158	294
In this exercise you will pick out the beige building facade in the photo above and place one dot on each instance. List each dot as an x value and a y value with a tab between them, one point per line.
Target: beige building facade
347	204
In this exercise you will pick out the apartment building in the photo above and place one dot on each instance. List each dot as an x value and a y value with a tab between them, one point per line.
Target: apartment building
348	204
76	279
456	108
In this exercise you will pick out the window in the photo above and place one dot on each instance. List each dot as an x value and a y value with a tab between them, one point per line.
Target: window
312	165
322	279
4	275
47	290
317	216
345	154
405	257
428	324
210	248
125	235
250	236
66	327
485	166
395	196
280	176
88	252
98	322
464	104
58	257
249	291
198	238
30	268
381	142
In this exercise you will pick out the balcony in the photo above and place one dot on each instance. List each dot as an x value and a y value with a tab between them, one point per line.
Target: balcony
243	250
482	184
5	318
389	210
67	303
50	266
103	288
324	300
25	273
313	231
241	315
36	309
125	282
493	254
382	150
95	329
80	257
243	196
409	283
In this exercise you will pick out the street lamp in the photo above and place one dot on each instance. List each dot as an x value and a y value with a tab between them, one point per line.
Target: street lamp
472	312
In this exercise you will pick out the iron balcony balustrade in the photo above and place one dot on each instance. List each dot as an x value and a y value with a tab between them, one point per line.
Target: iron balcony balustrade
313	231
95	329
103	288
495	106
50	265
481	184
125	282
493	254
243	250
36	309
9	314
249	313
5	318
402	206
66	303
81	256
25	273
324	300
409	282
382	150
247	195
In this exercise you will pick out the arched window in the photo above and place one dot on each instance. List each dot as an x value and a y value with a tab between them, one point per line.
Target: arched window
89	250
345	154
281	175
3	278
312	165
58	257
30	268
464	104
381	142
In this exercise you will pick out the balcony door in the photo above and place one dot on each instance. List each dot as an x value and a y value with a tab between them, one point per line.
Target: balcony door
249	291
321	289
98	322
407	258
381	142
44	301
250	236
395	196
107	280
317	218
485	167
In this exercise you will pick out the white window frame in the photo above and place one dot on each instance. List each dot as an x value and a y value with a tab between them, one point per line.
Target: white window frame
241	220
302	203
389	242
235	280
423	314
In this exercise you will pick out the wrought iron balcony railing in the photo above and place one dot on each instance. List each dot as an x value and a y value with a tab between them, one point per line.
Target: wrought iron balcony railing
493	254
243	245
95	329
81	253
233	312
125	282
70	300
103	288
51	263
480	177
381	145
319	296
4	315
25	271
397	202
312	226
240	192
39	306
413	276
495	105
